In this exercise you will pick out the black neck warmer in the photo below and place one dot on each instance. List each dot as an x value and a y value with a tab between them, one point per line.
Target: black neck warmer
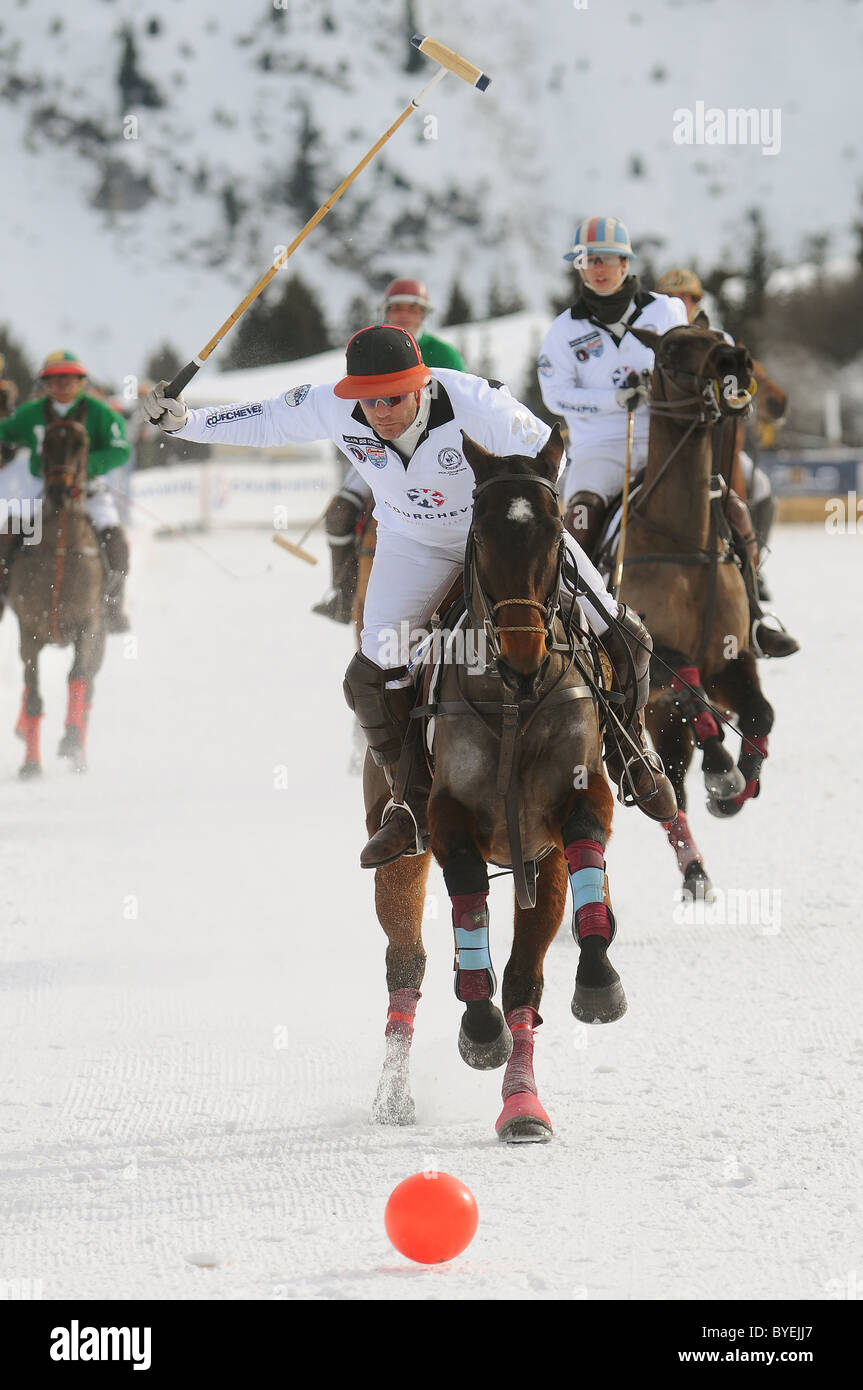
608	308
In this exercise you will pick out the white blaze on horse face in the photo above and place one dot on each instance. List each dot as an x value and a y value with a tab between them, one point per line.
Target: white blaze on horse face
519	510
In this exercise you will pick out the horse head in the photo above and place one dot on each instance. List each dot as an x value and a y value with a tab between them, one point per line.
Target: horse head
513	557
695	367
64	456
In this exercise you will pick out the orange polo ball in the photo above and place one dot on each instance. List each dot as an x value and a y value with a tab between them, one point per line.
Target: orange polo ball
431	1217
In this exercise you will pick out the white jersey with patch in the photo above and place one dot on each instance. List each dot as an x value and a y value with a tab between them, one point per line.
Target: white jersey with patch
430	496
423	506
582	363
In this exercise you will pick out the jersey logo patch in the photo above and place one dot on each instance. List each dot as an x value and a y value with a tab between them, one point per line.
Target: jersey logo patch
358	454
591	345
297	394
425	497
620	376
240	412
376	455
451	460
544	366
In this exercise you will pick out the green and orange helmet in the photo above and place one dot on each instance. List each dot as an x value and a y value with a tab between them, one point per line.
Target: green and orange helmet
62	364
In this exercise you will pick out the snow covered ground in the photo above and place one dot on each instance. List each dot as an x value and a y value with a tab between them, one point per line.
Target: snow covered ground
193	996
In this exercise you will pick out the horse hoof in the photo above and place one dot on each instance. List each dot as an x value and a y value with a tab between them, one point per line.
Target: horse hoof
523	1120
70	743
485	1053
29	770
604	1005
722	807
696	884
721	785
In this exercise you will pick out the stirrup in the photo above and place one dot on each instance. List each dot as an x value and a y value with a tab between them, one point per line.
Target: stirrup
392	805
650	759
762	618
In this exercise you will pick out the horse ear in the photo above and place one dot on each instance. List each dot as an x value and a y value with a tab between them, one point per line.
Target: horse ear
551	454
646	337
479	458
701	320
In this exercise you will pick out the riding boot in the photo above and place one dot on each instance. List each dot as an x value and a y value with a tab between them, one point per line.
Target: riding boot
637	770
115	558
585	513
384	717
341	521
338	602
763	513
766	640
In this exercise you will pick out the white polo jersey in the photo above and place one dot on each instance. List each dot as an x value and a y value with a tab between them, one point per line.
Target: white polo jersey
429	497
582	363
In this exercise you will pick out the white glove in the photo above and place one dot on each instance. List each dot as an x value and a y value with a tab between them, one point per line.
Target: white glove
631	397
160	410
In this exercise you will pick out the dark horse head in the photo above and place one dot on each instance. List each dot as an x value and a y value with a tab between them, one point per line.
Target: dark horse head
64	456
513	559
694	362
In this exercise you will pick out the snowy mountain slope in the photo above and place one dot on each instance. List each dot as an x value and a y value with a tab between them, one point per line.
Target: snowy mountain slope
192	994
579	117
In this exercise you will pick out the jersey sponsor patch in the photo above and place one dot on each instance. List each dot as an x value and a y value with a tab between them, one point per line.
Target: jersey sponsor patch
620	376
237	412
543	365
297	394
357	453
376	455
425	497
590	345
451	461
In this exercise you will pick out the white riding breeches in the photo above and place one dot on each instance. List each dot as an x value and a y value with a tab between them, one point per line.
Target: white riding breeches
409	580
99	504
599	468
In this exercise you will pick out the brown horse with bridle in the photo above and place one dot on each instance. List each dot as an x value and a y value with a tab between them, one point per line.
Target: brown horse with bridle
55	589
681	575
516	753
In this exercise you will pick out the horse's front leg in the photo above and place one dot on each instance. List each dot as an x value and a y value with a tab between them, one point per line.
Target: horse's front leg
30	718
89	653
484	1040
523	1119
673	741
739	687
399	899
599	996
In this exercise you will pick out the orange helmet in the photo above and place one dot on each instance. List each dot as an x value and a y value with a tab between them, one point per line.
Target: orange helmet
62	364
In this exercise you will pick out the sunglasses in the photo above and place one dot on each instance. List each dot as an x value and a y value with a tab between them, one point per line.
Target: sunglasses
371	402
602	260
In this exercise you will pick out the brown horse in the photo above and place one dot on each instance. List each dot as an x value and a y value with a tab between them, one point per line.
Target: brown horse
55	589
681	576
517	777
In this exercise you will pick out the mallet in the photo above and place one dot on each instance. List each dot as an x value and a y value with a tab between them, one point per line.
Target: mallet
449	62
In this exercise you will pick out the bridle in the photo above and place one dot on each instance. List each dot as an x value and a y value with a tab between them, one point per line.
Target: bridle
68	477
481	611
704	406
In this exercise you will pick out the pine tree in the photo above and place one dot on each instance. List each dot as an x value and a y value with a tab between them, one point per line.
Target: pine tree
135	88
301	186
293	326
163	364
459	309
360	315
503	301
414	60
